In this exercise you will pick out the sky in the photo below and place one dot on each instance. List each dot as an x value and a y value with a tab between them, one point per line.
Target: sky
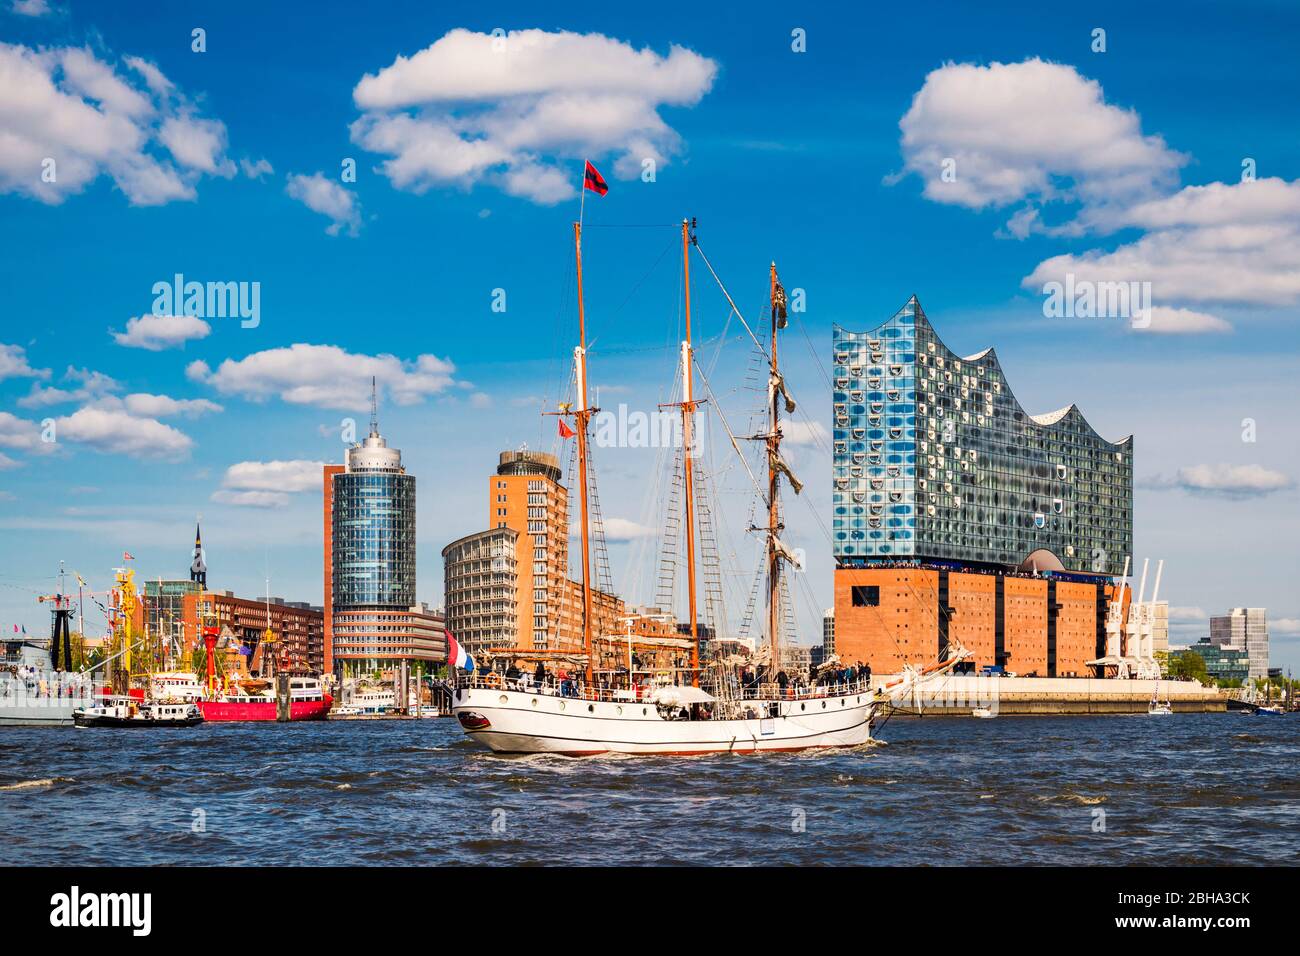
398	182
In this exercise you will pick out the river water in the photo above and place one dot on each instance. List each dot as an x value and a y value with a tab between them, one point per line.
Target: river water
1186	789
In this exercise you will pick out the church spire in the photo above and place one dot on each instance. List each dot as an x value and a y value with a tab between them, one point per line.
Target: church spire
198	568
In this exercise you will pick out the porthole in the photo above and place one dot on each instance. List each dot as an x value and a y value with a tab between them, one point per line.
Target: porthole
823	705
503	699
618	710
841	702
803	706
644	711
591	708
561	705
534	701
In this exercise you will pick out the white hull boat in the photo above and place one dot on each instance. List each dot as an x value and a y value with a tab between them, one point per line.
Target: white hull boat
523	722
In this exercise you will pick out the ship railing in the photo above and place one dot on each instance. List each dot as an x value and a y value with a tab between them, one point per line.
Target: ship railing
574	689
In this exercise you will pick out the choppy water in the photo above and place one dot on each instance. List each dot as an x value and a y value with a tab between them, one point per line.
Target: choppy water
1187	789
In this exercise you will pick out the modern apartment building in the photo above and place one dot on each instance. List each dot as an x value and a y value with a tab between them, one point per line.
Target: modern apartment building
481	583
525	495
1245	628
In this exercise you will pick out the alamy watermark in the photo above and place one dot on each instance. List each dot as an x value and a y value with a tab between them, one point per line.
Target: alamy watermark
210	300
1086	299
633	428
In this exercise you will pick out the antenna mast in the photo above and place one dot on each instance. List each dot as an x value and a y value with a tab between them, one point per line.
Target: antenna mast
374	407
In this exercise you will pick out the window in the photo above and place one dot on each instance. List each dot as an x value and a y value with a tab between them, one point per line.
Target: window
866	595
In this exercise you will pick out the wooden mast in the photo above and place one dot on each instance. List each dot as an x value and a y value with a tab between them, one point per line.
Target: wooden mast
688	504
582	415
773	516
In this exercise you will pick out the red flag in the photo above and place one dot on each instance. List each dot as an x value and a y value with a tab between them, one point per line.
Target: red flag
594	181
565	430
127	556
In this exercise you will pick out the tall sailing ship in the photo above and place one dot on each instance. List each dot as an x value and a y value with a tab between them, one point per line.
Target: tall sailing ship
704	707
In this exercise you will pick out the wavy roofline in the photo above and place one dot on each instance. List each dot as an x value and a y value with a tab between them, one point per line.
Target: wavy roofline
1044	420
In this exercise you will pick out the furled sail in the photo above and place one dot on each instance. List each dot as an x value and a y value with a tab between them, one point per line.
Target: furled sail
785	554
776	383
778	464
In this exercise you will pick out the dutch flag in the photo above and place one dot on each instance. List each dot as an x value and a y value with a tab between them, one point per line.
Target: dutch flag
457	656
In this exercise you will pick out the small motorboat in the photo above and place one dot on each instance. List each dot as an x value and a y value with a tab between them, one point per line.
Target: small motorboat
1158	709
983	712
1269	710
129	712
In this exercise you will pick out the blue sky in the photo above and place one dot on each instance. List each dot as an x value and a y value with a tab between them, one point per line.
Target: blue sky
224	165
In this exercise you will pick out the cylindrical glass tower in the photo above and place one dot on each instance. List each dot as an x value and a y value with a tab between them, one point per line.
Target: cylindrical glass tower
374	529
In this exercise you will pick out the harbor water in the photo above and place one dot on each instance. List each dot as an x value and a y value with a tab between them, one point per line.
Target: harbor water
1186	789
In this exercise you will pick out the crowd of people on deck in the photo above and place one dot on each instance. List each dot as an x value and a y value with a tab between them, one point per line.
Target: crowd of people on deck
749	681
41	683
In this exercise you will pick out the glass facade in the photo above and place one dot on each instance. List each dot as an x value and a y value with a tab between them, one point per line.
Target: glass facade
374	539
935	459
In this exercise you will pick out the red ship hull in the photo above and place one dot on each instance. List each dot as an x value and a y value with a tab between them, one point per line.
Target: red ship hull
222	710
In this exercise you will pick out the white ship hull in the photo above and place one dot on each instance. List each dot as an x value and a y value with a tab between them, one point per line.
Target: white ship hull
513	721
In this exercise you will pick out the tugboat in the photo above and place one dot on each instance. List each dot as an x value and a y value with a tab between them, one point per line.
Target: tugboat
129	712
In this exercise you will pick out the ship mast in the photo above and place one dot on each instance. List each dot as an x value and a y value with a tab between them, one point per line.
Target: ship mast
773	515
582	415
688	477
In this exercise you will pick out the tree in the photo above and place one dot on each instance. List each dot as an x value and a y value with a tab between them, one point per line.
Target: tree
1188	665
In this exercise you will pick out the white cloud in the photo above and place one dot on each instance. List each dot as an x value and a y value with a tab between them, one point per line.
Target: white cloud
323	195
6	462
158	332
1030	131
94	385
19	433
68	106
251	499
1187	615
197	144
268	484
325	376
1226	243
32	8
619	530
152	76
1284	627
116	431
159	406
256	169
13	364
512	110
480	400
1043	135
287	476
1183	322
805	433
1224	481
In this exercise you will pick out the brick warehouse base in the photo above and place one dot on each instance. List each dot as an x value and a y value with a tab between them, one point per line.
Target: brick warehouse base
1045	627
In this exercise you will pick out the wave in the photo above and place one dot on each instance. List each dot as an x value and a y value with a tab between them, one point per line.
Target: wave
43	784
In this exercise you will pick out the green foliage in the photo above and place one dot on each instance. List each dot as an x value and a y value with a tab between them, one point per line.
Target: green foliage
1188	665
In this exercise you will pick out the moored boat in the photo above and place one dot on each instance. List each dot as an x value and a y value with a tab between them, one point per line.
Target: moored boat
307	701
129	712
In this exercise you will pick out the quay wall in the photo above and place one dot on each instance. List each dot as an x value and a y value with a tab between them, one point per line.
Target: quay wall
958	695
